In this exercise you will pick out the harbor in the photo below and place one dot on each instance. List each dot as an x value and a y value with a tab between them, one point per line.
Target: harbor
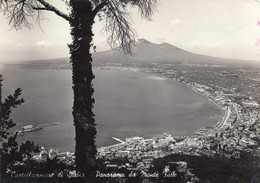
30	128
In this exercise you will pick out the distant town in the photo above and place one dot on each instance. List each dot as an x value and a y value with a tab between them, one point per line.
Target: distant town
236	90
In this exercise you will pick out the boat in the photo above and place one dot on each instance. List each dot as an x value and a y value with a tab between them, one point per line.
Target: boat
117	139
198	133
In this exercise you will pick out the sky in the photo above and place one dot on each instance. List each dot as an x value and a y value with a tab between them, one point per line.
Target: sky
220	28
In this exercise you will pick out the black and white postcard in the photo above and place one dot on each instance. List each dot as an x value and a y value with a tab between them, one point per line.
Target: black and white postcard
151	91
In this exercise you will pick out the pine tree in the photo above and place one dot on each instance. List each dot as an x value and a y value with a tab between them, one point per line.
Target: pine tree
9	146
116	15
10	151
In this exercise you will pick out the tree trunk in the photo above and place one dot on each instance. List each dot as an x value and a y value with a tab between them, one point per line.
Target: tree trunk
82	76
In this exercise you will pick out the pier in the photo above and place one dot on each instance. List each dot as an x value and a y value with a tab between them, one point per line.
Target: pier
30	128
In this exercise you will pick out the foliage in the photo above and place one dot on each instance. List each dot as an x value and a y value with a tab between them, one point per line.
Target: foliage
11	152
115	13
217	169
27	148
12	101
14	155
81	17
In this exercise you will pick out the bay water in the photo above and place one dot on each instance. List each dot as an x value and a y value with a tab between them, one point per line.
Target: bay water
127	103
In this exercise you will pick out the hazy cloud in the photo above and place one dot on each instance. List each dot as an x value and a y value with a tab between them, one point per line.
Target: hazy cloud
175	22
41	43
20	44
229	29
213	44
192	25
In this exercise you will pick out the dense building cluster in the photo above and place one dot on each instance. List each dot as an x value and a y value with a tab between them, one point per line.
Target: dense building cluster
238	131
66	157
234	90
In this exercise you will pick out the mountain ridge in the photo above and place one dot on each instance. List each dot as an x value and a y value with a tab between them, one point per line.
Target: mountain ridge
144	52
148	52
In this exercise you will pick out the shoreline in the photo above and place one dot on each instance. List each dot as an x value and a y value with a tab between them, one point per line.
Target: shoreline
219	124
191	133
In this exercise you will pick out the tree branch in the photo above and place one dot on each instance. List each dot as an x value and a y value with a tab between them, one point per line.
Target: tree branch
19	12
99	7
118	27
49	7
118	21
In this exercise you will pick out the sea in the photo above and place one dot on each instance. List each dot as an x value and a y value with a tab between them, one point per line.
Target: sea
127	103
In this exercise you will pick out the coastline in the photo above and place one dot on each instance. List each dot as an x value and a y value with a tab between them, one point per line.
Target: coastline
217	126
228	141
190	133
220	123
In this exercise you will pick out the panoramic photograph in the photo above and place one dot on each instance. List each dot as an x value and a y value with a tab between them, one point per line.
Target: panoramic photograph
129	91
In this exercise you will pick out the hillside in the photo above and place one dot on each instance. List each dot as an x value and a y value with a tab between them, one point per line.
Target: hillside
144	52
147	52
